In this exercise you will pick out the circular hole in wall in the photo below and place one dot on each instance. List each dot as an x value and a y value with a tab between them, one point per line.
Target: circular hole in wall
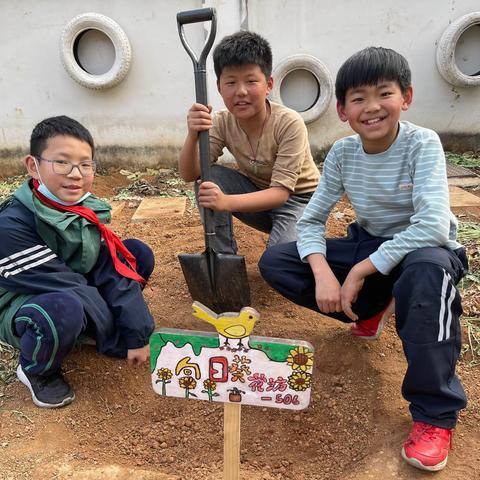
467	51
94	52
300	90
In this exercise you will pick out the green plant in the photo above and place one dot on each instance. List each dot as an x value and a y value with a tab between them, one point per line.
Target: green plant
8	363
468	159
472	325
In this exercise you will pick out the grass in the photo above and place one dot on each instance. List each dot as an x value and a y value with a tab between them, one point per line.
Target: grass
160	183
467	160
468	233
8	363
469	236
472	347
9	185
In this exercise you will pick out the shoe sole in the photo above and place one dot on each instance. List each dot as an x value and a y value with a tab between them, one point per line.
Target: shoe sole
23	378
418	464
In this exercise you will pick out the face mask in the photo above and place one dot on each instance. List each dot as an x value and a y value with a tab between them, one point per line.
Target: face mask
45	191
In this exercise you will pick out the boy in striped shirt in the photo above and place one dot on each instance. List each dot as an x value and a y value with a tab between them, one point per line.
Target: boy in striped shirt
403	244
63	273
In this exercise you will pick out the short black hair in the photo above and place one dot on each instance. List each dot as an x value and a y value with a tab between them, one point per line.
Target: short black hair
54	126
243	48
368	67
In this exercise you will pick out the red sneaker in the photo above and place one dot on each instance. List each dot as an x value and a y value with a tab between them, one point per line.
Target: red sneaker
372	328
427	446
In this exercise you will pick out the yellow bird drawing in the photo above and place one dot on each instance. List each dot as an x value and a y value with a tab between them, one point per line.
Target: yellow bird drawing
231	325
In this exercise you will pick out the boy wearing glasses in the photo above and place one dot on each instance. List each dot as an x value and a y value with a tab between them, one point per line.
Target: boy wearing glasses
63	273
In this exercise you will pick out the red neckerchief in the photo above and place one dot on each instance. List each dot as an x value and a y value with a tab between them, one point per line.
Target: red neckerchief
114	244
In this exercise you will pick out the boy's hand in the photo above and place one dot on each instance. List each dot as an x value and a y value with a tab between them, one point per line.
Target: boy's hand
137	356
353	284
327	295
349	293
199	118
327	287
211	196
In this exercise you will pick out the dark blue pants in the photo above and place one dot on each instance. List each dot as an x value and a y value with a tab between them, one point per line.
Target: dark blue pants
49	324
427	311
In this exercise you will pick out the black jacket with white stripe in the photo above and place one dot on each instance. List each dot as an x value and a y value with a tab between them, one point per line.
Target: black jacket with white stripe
29	267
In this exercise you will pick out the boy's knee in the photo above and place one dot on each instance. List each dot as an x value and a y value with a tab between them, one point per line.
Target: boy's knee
226	178
420	279
137	247
218	172
69	315
266	261
439	257
143	254
59	315
427	303
270	263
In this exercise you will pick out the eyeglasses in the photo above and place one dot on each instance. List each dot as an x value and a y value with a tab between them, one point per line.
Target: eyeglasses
62	167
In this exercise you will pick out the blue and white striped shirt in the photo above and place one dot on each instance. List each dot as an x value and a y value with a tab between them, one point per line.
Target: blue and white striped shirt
401	194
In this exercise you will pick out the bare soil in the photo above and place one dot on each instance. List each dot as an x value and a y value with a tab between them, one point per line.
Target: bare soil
117	428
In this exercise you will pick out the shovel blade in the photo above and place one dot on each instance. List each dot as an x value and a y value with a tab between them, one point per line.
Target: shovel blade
225	289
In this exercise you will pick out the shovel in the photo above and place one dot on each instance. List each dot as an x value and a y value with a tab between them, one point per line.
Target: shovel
217	280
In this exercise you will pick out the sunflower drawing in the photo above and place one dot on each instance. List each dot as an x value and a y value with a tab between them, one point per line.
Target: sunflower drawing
300	358
188	383
300	381
210	386
164	375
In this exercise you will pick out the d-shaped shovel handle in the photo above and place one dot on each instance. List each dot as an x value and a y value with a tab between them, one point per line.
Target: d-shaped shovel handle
196	16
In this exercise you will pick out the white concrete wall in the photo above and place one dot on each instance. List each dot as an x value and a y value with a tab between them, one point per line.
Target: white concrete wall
332	31
145	109
145	114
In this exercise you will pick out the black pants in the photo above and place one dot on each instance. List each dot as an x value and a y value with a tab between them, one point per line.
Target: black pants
50	324
427	311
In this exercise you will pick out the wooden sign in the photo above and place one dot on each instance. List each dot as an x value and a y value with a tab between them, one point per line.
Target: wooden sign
231	366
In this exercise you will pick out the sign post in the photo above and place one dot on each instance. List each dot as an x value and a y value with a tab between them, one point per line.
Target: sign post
231	441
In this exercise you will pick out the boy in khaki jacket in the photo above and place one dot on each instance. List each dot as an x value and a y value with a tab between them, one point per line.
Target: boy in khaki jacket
276	174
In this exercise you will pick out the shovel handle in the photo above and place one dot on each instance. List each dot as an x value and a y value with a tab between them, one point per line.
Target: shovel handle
195	16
